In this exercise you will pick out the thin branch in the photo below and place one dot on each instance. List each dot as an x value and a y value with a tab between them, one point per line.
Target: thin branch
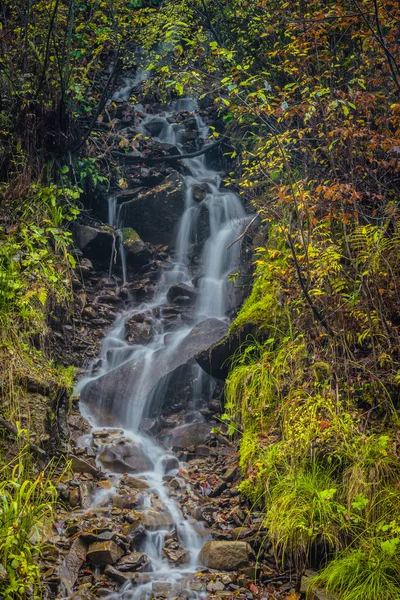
46	59
244	232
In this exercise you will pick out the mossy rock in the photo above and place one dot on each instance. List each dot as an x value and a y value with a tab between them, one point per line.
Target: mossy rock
129	235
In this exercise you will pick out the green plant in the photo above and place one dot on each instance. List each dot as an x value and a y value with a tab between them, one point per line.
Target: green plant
303	509
371	572
26	507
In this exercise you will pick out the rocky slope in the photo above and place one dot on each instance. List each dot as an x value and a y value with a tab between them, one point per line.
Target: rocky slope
97	544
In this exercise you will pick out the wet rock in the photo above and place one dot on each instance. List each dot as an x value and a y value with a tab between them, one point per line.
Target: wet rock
165	589
89	312
85	268
104	553
116	575
125	458
181	290
134	483
114	389
170	463
78	426
199	192
79	465
150	426
153	519
138	333
96	242
189	435
137	252
125	500
215	359
155	126
226	556
72	563
155	213
135	561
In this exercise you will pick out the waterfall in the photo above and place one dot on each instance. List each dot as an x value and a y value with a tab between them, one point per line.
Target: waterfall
226	219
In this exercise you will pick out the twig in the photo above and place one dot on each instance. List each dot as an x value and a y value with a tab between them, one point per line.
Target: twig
244	232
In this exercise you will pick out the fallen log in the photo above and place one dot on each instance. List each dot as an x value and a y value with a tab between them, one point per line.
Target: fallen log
149	160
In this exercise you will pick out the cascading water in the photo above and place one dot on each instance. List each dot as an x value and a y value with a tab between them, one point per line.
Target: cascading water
114	219
143	364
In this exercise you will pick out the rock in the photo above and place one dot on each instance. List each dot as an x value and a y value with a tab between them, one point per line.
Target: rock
74	497
165	589
135	484
116	575
113	391
215	360
155	125
135	561
170	463
137	252
78	465
189	435
72	563
104	553
155	213
199	192
95	242
125	500
215	586
78	426
182	290
85	268
153	519
226	556
125	458
89	312
138	333
150	426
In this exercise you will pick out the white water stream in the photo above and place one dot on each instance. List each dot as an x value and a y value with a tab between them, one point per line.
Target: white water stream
226	221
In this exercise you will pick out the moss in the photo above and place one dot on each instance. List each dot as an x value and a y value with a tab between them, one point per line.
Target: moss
129	235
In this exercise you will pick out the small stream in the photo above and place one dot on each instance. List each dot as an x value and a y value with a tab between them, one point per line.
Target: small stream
213	297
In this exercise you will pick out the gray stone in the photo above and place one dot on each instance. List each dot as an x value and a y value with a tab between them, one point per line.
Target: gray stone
182	290
199	192
155	126
226	556
95	242
125	458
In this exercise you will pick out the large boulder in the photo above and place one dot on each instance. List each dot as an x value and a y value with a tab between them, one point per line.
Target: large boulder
155	213
96	242
215	360
124	391
226	556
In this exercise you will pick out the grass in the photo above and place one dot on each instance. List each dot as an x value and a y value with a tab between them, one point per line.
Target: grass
366	573
26	507
302	510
